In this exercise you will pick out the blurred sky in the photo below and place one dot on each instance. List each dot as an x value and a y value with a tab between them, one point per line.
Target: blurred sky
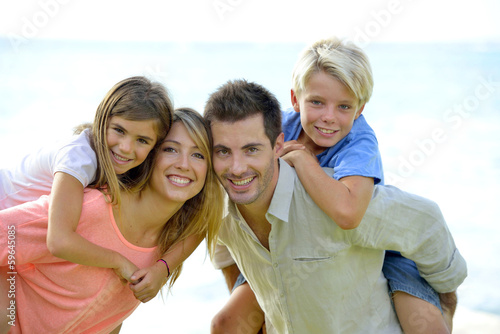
251	20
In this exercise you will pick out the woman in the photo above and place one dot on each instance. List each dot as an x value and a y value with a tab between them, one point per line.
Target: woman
181	200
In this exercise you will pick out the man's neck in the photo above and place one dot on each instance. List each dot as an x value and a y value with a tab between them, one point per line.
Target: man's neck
256	219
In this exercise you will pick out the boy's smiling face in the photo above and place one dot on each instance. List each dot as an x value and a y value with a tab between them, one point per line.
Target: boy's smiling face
327	111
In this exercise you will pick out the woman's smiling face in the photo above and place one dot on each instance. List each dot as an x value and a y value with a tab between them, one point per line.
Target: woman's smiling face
181	167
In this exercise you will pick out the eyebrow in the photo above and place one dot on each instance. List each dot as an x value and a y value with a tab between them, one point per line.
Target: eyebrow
220	146
178	143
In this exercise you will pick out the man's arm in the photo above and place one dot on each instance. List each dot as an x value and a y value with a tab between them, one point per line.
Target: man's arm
400	221
231	274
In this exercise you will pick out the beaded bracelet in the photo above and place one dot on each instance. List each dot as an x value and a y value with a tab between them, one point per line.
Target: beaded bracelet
168	269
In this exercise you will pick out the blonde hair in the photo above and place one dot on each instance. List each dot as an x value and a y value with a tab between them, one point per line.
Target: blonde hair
342	60
136	99
201	214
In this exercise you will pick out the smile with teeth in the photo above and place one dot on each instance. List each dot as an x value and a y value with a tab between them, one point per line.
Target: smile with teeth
326	131
178	179
119	158
243	182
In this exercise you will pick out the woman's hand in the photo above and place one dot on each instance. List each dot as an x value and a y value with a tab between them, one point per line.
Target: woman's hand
148	281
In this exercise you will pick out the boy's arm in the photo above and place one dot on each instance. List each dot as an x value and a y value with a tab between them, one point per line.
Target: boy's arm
150	280
344	201
63	241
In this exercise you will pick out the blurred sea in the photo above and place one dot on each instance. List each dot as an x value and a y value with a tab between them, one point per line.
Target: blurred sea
435	109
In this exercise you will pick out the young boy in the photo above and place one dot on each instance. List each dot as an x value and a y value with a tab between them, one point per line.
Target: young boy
332	82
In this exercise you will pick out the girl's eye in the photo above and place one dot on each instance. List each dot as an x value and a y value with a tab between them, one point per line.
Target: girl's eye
143	141
119	130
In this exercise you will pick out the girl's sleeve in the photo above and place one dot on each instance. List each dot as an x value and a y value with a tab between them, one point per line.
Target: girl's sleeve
77	159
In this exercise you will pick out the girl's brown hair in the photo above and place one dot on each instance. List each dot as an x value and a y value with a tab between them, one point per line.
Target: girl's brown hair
135	99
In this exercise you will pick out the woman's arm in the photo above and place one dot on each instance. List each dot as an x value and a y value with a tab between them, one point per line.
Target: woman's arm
345	201
65	208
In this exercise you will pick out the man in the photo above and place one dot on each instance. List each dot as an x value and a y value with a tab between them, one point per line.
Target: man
309	275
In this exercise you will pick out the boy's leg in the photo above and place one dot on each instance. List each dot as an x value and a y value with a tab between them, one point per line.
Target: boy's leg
418	316
417	305
241	314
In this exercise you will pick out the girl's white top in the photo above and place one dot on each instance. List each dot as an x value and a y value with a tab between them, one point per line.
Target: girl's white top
34	175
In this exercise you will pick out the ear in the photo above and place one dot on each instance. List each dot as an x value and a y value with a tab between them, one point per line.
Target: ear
280	144
360	110
295	102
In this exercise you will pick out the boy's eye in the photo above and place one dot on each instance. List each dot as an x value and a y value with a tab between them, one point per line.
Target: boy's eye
316	103
345	107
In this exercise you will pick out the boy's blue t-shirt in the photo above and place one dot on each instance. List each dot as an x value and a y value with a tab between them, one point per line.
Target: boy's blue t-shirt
356	154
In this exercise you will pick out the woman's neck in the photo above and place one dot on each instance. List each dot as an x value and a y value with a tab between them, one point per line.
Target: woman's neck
142	215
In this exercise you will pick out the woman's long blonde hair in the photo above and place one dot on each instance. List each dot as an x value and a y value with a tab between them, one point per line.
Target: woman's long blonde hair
135	99
201	214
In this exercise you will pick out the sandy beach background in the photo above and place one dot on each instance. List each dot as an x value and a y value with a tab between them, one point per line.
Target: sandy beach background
435	106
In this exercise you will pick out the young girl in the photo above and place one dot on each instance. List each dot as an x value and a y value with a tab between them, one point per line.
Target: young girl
180	198
131	120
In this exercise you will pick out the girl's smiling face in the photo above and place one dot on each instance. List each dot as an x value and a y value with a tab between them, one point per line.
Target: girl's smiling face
129	142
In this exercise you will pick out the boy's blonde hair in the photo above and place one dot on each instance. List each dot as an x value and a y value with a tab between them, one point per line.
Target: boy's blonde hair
342	60
202	214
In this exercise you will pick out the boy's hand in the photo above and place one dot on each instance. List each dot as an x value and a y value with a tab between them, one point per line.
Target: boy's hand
148	282
293	152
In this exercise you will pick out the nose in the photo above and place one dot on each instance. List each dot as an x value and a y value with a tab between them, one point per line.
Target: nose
329	115
126	145
238	165
182	162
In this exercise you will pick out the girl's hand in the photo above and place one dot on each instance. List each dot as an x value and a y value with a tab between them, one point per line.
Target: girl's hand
148	282
126	270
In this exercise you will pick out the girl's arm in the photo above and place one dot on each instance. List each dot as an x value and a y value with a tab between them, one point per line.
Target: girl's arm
151	278
65	208
345	201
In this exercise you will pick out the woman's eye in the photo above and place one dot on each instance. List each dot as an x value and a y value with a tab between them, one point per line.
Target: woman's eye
199	156
168	149
143	141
